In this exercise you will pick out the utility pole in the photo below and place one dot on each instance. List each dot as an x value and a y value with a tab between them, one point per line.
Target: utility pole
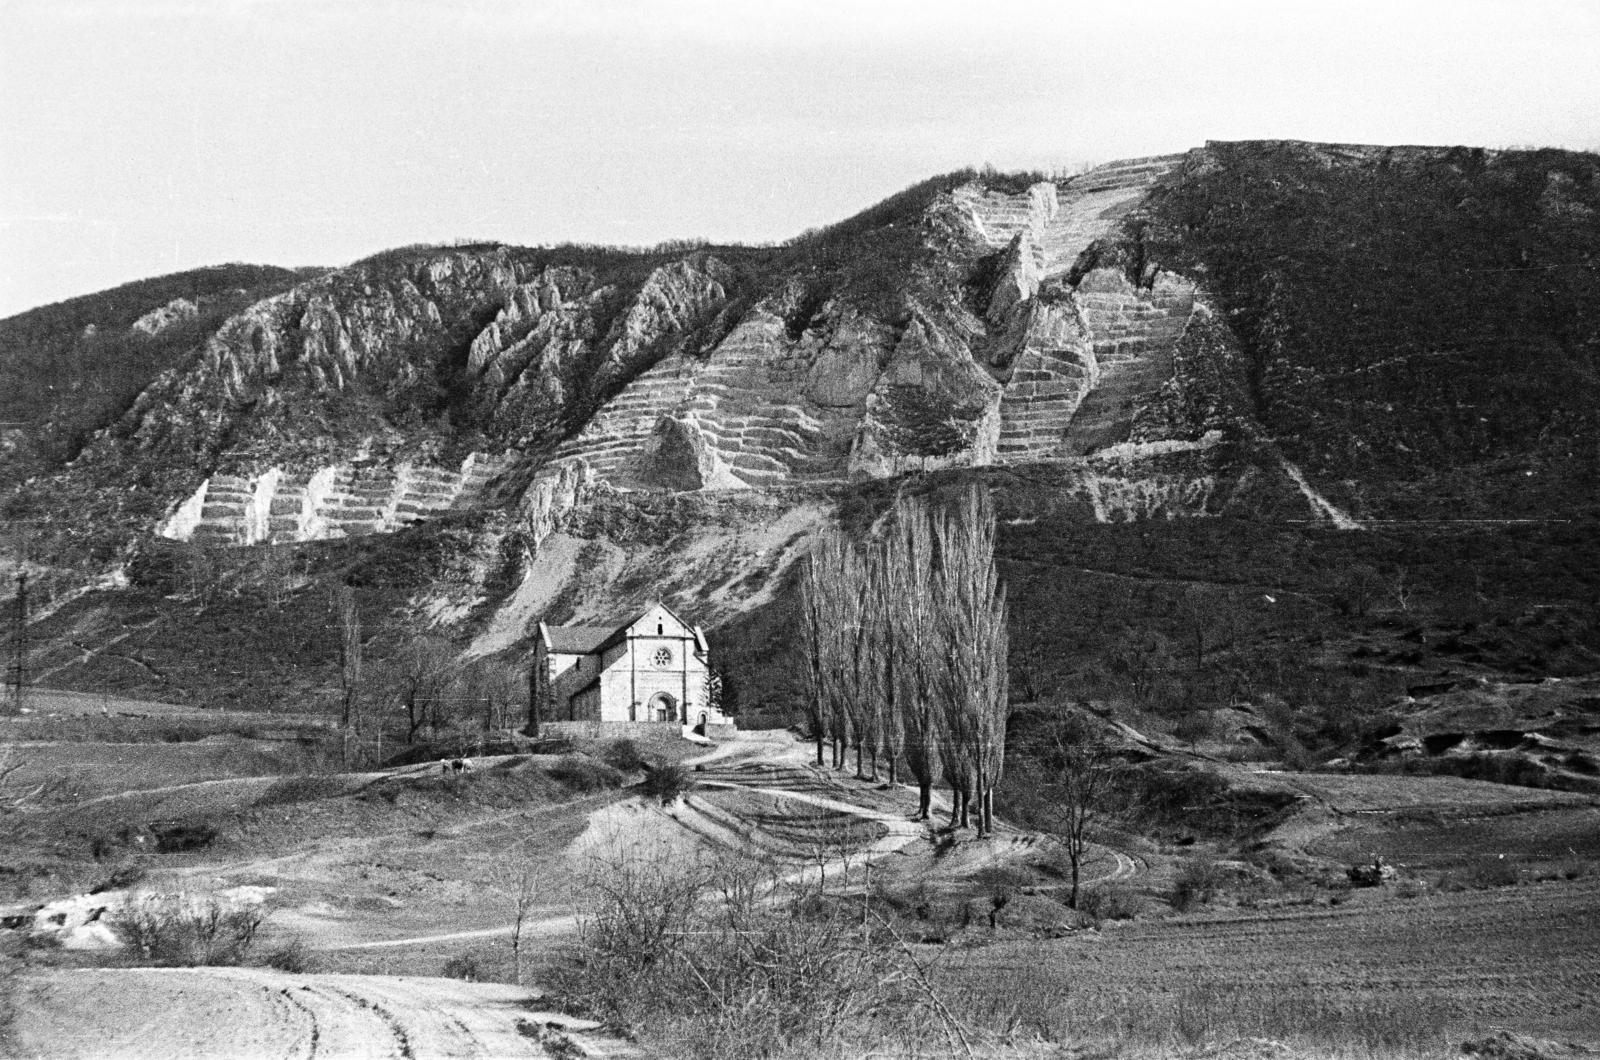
18	676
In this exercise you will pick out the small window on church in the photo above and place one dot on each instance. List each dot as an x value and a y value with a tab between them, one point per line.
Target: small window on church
660	629
663	656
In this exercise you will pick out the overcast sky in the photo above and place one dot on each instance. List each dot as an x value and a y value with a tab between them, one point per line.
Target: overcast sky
140	137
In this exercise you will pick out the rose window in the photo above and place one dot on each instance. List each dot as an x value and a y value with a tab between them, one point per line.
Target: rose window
663	656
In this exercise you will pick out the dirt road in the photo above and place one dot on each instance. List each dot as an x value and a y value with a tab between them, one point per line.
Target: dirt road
171	1014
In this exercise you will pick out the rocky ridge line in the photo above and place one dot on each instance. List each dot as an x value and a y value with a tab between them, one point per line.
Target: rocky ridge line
677	384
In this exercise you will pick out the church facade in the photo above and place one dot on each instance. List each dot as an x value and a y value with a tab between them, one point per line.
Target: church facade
650	667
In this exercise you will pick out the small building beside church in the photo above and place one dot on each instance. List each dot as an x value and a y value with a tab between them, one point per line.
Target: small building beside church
650	667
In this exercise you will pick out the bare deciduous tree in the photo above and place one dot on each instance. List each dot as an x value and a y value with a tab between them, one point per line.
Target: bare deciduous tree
349	619
907	591
907	650
814	638
1082	770
494	687
972	683
518	881
418	679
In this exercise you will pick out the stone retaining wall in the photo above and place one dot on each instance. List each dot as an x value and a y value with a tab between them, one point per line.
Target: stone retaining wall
595	730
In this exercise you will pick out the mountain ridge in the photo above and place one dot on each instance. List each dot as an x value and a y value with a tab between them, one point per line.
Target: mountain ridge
1263	331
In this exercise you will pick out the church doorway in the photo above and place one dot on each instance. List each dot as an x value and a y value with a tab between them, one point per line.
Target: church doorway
662	707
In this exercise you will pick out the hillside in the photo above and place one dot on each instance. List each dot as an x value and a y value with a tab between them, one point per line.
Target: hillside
1420	326
1187	377
70	369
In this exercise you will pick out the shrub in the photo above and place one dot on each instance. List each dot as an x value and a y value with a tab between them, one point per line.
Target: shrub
186	930
1195	727
1197	883
1574	868
721	960
464	966
584	775
293	955
1109	901
666	781
623	755
1000	884
174	837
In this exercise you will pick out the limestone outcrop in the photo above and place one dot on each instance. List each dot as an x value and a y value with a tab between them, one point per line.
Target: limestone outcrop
342	500
854	396
1080	357
323	411
161	318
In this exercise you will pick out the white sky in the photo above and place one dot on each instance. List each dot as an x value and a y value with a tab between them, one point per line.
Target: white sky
140	137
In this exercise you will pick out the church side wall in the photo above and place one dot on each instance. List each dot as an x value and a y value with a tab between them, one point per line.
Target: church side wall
567	674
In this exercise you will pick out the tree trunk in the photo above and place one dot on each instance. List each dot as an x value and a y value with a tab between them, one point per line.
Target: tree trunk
924	799
533	703
982	788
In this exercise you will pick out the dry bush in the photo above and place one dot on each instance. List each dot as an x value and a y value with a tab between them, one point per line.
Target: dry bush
998	885
722	959
465	966
291	955
624	755
185	930
1109	901
1198	882
666	781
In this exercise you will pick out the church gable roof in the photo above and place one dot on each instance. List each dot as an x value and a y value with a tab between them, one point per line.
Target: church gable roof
578	640
590	639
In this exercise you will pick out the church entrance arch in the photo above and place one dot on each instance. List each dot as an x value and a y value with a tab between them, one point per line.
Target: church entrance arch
662	707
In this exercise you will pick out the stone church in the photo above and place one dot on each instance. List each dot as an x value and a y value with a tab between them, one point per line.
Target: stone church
651	667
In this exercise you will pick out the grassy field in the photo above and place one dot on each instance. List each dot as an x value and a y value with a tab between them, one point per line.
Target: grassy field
1380	973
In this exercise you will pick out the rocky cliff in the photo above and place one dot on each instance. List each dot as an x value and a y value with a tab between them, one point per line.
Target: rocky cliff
435	380
970	321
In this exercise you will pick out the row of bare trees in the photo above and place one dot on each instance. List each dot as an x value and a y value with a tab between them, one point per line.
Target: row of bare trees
905	649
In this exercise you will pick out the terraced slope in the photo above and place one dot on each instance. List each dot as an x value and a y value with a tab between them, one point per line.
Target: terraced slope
1058	221
1090	354
339	501
1134	332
